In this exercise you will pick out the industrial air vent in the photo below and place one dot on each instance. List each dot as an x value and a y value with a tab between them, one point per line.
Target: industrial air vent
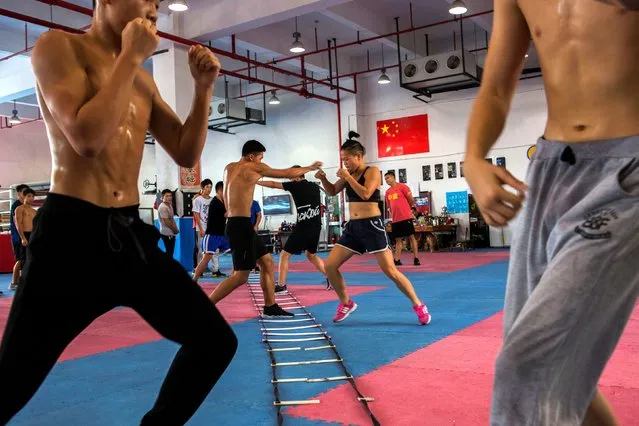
410	70
228	113
431	66
444	70
453	62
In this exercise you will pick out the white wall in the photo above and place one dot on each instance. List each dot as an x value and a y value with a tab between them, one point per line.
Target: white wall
24	154
148	171
16	76
448	116
298	131
25	157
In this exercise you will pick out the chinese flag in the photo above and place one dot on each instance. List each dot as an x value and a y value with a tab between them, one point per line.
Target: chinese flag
403	136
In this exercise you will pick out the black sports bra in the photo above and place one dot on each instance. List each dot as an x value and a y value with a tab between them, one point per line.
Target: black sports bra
352	195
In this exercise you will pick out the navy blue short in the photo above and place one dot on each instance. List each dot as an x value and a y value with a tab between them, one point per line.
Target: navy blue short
364	236
213	243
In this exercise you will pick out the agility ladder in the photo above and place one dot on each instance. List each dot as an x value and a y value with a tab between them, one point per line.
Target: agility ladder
312	332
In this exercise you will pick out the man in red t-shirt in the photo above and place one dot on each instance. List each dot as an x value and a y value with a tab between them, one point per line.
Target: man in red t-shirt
399	201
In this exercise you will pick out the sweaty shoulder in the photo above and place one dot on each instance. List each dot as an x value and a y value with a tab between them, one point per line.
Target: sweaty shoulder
58	46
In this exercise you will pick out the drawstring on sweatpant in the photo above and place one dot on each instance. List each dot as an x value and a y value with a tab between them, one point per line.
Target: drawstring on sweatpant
568	156
126	222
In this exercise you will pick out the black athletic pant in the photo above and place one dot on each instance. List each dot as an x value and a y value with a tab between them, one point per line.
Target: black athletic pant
54	304
169	244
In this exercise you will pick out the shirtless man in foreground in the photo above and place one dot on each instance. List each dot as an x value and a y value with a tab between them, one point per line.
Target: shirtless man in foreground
97	103
247	247
573	277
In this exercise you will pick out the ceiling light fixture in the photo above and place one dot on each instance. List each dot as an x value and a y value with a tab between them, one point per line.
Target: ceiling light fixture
14	118
383	79
274	100
178	5
297	46
458	8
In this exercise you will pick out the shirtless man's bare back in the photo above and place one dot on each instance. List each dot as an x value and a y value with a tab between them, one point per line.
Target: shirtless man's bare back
248	249
98	103
576	243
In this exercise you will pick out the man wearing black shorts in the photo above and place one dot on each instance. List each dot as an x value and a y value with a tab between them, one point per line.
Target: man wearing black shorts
247	247
98	103
16	241
306	235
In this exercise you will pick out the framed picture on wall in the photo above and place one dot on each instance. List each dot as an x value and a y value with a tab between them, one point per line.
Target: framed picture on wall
452	170
461	169
402	176
490	160
500	161
426	172
439	171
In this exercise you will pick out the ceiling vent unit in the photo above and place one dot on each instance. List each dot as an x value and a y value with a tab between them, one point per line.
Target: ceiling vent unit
441	72
458	66
227	113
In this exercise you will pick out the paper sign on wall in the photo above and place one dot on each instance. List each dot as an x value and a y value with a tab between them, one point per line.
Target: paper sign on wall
457	202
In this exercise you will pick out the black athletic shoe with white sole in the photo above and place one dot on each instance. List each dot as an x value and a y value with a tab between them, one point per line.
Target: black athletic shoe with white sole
274	311
280	289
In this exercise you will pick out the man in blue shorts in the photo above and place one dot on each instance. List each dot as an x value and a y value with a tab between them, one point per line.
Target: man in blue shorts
214	240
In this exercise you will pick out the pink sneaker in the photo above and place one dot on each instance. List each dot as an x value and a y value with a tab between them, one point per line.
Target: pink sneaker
344	310
422	314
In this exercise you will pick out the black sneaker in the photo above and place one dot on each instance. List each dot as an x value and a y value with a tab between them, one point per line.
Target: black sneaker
274	311
328	285
397	262
219	274
416	262
280	289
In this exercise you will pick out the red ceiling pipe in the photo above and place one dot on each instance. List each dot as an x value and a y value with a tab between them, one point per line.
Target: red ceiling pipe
339	136
180	40
352	74
220	52
37	21
28	49
31	19
6	124
316	51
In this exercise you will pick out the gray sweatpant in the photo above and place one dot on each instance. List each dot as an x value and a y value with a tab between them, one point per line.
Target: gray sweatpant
573	280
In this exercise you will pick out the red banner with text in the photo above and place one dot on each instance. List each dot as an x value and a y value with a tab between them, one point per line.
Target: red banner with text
190	178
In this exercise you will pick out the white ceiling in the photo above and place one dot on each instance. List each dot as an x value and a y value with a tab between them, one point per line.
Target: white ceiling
267	29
